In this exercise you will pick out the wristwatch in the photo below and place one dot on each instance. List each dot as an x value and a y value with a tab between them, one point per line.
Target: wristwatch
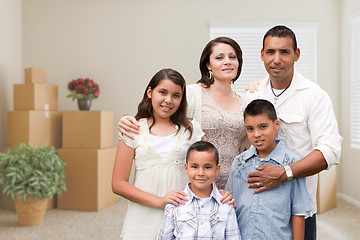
288	172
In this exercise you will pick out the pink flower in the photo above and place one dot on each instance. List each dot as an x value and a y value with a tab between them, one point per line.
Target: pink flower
83	87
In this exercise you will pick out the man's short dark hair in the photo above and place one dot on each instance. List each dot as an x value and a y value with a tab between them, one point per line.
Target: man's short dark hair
281	31
203	146
260	106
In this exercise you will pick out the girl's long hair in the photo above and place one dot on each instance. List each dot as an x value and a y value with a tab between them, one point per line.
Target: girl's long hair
145	109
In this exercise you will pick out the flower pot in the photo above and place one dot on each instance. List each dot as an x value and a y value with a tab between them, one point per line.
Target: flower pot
32	212
84	104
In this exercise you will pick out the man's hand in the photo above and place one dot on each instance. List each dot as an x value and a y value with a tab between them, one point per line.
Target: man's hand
268	177
253	85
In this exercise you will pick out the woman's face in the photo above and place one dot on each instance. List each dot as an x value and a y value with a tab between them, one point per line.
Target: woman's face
223	62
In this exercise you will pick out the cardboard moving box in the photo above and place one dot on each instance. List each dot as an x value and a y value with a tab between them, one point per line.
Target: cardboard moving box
88	175
35	75
326	191
88	129
38	128
35	96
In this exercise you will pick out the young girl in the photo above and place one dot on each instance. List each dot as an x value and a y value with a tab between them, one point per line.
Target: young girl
158	154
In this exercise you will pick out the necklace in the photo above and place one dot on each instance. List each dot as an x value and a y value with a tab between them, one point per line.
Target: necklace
277	96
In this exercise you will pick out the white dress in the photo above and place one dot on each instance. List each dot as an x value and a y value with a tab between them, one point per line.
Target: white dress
157	175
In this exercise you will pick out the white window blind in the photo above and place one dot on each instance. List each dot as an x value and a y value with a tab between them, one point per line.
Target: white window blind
250	35
355	82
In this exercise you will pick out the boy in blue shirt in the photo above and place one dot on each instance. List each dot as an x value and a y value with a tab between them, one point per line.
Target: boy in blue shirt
203	216
277	213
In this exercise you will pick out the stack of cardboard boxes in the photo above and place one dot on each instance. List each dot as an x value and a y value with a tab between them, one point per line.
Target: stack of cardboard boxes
89	152
35	119
86	138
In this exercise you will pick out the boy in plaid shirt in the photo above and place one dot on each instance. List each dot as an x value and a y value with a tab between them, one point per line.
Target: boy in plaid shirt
203	216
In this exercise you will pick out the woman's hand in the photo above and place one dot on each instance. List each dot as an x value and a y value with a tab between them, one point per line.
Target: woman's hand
176	198
253	85
127	124
227	198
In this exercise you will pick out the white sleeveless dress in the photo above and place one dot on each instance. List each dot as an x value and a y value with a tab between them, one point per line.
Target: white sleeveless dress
158	175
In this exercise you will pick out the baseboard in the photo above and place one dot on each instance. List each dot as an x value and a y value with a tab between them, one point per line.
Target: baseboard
348	199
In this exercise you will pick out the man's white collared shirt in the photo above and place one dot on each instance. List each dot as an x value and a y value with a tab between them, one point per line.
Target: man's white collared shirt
307	122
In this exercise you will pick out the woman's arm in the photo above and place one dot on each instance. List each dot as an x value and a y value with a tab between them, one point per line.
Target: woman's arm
121	186
126	125
298	227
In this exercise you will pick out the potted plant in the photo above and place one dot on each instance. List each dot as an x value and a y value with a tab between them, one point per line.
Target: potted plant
84	90
30	175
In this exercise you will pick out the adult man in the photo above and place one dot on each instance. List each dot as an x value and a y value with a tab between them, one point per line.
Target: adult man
308	123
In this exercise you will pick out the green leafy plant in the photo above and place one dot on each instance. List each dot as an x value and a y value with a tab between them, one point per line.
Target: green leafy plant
32	171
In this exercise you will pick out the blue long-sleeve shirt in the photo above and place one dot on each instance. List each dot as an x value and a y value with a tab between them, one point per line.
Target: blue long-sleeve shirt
267	215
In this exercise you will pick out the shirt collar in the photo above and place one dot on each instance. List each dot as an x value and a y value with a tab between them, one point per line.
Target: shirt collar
215	194
297	82
277	153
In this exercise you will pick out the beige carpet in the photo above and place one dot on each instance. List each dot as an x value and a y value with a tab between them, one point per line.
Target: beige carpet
340	223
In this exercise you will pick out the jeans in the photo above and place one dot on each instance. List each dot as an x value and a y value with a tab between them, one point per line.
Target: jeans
310	228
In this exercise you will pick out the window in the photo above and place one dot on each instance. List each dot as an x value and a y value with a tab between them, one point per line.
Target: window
250	35
355	81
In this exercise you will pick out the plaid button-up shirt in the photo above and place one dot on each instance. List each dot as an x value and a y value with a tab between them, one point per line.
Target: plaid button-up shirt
200	219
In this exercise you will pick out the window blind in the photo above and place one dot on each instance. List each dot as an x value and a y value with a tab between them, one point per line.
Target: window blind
355	82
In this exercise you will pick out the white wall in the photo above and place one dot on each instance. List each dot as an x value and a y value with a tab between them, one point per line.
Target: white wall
10	59
121	44
350	165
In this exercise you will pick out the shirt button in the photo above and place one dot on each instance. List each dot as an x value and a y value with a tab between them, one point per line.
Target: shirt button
202	206
217	218
201	223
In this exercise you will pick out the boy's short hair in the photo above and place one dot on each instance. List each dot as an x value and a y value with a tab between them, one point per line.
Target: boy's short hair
260	106
203	146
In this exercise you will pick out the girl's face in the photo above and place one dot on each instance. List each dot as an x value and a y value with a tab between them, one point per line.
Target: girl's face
223	62
165	98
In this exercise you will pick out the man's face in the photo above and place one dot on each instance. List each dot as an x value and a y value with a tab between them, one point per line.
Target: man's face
279	57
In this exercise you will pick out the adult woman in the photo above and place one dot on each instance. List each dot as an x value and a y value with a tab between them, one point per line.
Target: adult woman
213	103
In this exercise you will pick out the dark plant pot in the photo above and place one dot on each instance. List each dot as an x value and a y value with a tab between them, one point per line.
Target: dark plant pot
84	104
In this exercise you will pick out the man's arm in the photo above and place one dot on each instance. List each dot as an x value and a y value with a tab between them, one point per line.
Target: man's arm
298	227
312	164
270	176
